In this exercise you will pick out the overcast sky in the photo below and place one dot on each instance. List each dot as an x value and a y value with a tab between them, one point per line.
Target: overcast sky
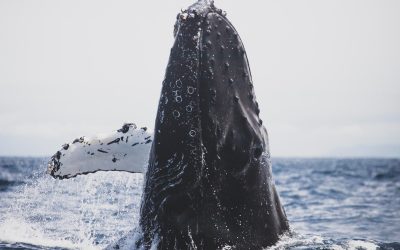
326	73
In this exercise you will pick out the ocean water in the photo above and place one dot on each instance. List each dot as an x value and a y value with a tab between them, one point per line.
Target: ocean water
330	203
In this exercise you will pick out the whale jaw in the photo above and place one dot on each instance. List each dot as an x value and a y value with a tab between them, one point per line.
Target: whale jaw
209	182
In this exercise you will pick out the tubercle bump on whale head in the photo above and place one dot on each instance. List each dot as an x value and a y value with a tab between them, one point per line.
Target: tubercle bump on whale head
196	11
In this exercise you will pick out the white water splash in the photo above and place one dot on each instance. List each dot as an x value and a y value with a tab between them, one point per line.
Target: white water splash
87	212
298	241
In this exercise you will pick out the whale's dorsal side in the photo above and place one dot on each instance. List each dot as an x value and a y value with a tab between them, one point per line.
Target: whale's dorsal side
126	149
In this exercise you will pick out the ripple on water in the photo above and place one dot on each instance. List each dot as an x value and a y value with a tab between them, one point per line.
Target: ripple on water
331	204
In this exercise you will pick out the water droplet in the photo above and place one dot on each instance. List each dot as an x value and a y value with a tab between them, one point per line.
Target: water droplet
210	73
212	61
183	16
226	65
213	93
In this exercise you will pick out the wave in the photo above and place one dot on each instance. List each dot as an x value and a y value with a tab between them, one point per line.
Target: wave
331	204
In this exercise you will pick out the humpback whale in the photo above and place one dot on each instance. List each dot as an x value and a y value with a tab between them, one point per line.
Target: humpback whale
208	172
209	182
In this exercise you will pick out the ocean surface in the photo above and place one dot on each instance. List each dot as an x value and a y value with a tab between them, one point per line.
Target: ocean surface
330	203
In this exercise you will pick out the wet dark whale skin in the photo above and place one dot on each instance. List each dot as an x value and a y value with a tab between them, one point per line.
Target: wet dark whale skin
209	181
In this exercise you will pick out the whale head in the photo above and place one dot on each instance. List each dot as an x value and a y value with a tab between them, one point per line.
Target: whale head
209	182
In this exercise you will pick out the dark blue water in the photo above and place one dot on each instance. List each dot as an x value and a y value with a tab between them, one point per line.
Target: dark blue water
330	203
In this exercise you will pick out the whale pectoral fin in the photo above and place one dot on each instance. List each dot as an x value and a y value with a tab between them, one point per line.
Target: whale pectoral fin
124	150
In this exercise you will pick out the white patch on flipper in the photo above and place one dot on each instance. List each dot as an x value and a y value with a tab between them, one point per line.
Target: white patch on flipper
124	150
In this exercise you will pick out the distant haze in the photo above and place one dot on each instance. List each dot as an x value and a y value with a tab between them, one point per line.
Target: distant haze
326	72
